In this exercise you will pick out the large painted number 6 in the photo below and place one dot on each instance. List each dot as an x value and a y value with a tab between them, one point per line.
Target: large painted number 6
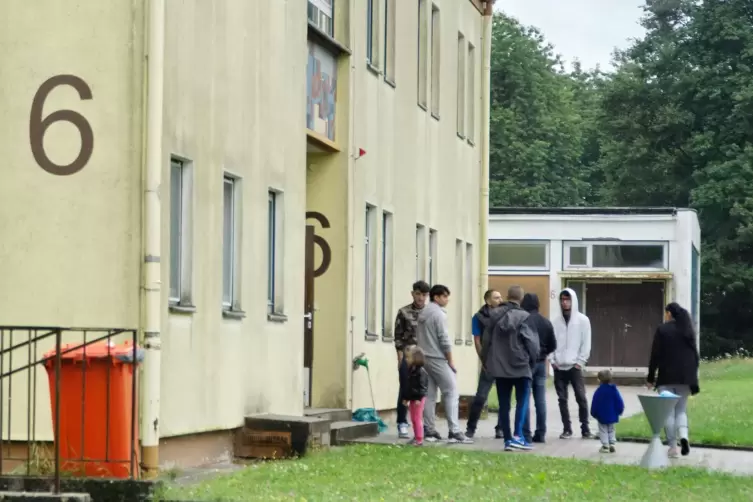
38	126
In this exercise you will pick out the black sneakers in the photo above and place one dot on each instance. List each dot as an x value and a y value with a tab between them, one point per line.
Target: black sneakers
587	435
459	437
684	447
566	435
432	436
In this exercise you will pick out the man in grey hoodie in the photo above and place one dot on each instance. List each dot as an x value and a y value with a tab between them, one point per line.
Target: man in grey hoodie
432	335
509	354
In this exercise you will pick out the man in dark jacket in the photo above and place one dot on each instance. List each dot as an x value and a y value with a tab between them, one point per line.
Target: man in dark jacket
509	354
480	324
547	345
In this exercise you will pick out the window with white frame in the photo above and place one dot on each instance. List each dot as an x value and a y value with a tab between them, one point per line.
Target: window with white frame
420	253
372	32
461	86
468	313
518	255
470	126
369	271
616	255
181	232
387	276
231	225
320	13
390	34
275	270
436	58
423	44
432	256
458	286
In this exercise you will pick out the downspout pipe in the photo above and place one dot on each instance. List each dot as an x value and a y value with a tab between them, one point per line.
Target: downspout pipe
152	268
483	216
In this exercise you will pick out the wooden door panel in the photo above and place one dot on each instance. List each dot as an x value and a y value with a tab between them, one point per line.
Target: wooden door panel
538	284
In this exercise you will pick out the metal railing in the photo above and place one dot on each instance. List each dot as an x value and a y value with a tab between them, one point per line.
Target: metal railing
82	365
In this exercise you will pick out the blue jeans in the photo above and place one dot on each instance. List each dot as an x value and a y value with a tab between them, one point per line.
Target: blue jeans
402	410
539	399
522	388
485	383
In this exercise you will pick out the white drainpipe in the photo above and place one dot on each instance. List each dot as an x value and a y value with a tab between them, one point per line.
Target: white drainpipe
152	271
483	234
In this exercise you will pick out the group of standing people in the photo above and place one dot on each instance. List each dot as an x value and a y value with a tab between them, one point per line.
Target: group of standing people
513	341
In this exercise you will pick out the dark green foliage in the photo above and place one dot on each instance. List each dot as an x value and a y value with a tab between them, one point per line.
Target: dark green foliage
672	126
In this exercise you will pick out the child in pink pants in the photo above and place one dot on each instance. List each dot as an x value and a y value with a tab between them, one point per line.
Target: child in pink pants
416	390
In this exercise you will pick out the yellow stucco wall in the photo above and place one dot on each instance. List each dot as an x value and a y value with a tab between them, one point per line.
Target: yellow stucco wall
418	169
235	100
69	245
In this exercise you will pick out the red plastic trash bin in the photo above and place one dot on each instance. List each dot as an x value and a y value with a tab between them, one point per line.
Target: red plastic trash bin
98	409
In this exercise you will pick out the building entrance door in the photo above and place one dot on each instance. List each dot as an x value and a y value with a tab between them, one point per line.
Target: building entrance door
308	316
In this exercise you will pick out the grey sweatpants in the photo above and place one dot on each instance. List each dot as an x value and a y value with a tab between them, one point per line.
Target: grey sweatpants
442	377
677	421
607	434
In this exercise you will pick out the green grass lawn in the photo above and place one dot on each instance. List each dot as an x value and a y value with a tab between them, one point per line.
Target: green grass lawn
386	473
721	414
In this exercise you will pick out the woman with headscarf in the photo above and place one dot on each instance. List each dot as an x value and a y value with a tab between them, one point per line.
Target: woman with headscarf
674	355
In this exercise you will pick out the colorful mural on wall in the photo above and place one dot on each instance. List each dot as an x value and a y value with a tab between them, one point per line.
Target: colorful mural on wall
321	91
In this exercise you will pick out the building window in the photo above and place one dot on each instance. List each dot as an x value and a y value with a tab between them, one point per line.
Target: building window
461	85
436	44
628	256
420	253
369	272
468	292
470	126
372	32
459	301
275	270
423	43
625	255
181	187
320	15
321	91
231	203
519	255
577	256
386	286
432	256
390	27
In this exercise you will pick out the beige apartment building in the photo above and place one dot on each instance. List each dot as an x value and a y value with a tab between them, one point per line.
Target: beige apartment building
253	185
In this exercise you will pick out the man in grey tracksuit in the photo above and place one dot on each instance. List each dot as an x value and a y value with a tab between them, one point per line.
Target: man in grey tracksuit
432	335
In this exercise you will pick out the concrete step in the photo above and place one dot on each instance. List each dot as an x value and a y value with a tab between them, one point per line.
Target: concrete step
278	436
333	414
343	432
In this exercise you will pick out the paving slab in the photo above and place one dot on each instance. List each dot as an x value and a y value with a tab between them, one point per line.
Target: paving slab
734	462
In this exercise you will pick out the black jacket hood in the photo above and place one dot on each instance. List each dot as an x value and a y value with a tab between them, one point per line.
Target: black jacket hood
530	302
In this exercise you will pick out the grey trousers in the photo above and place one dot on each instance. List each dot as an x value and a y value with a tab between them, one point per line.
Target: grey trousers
443	378
676	426
607	435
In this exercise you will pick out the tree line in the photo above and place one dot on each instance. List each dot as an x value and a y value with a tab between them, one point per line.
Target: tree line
671	125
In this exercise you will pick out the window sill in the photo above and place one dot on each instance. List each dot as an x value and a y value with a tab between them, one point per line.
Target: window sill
327	40
388	339
373	69
278	318
182	308
469	343
390	82
423	107
371	337
233	314
435	116
471	142
459	342
460	135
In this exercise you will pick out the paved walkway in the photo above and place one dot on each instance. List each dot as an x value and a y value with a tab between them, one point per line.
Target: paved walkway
736	462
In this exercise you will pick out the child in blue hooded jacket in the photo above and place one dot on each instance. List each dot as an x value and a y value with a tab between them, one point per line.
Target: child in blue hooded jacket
606	407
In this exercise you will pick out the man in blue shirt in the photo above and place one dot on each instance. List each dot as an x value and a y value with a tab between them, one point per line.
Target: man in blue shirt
479	324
